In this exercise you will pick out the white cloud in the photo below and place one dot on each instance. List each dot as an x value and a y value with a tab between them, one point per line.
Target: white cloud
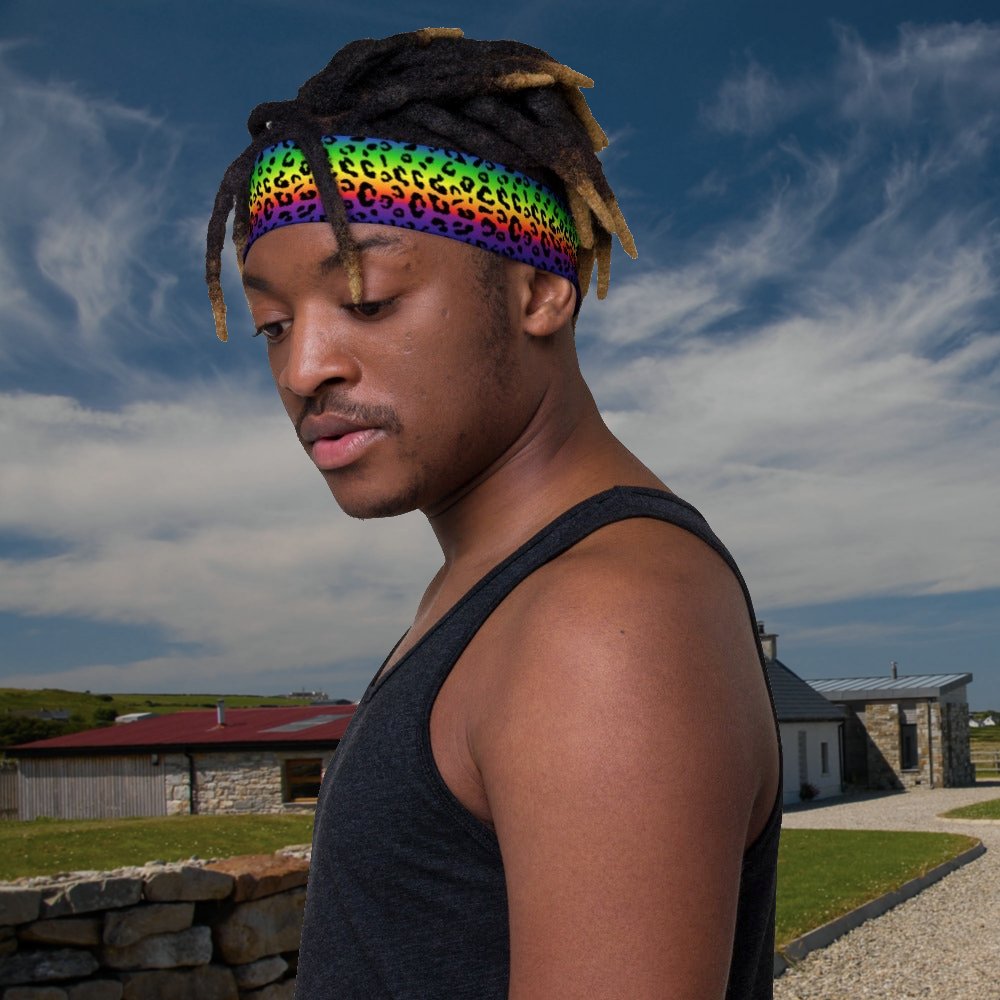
754	102
204	518
938	71
83	224
821	374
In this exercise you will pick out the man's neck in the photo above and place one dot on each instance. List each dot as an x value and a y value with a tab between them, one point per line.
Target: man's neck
559	460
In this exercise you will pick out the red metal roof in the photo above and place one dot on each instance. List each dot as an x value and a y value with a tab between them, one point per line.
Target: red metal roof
243	727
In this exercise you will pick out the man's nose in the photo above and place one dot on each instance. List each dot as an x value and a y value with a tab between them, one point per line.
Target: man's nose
316	352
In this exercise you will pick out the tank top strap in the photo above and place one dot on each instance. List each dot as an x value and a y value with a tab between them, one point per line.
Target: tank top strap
455	630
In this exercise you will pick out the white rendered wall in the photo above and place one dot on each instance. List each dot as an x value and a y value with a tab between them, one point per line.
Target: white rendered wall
817	733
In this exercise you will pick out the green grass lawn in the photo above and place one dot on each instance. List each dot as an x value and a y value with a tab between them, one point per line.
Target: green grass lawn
825	873
45	846
978	810
821	873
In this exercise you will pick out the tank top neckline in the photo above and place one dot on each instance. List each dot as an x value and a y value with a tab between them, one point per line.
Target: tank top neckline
382	675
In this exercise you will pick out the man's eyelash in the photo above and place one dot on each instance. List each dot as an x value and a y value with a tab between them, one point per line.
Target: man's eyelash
262	330
376	307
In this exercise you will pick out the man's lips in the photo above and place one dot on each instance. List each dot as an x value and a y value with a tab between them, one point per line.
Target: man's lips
335	442
328	426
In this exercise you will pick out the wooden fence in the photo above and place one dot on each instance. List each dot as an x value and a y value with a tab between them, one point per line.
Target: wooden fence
8	789
92	787
986	761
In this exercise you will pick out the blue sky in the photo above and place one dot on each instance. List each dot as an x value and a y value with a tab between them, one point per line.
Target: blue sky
807	347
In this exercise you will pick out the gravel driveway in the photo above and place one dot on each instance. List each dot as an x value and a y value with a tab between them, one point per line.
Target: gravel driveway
944	943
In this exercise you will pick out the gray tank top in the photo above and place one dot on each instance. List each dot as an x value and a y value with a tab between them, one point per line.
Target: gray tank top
406	896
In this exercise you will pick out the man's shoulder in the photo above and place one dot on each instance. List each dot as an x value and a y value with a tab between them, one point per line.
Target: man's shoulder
640	571
638	602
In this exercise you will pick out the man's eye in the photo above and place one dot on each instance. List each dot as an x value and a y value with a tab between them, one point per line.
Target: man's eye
369	310
272	331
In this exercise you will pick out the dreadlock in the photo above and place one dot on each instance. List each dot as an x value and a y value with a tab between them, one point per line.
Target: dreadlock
504	100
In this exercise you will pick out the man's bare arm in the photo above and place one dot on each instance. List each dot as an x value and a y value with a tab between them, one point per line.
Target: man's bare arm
635	759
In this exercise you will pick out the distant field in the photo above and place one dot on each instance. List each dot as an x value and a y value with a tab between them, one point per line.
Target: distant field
87	710
13	700
986	735
985	746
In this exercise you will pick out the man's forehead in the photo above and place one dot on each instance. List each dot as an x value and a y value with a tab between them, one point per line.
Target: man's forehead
316	244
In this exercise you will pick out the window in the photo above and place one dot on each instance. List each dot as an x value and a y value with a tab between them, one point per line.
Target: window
908	760
302	779
824	757
803	757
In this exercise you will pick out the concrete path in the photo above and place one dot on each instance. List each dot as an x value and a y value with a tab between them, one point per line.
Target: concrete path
944	943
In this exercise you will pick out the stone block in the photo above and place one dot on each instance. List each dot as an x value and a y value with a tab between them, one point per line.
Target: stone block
259	875
97	989
8	941
19	906
162	951
125	927
212	982
186	883
261	927
260	973
44	966
276	991
88	895
35	993
79	932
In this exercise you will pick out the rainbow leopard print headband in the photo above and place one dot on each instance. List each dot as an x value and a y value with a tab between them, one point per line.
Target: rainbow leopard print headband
423	188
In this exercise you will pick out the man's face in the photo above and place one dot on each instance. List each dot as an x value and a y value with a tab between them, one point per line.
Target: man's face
401	402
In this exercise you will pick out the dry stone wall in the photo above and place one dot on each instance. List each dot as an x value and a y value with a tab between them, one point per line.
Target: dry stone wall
225	930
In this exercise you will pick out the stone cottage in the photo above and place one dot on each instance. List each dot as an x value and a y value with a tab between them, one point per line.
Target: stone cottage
244	760
904	731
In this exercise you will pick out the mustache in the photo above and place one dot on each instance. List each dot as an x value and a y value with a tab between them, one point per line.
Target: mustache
336	403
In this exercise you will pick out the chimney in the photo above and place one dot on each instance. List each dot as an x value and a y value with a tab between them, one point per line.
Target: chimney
892	669
220	712
768	642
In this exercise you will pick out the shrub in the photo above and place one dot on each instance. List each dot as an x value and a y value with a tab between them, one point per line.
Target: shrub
808	791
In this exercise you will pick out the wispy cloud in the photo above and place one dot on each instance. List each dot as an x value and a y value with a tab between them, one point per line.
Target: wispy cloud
83	218
823	371
754	102
819	373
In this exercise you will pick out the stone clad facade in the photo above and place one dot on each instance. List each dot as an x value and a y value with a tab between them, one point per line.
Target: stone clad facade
904	732
223	931
250	781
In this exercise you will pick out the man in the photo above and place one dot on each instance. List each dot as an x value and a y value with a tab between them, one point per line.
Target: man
563	781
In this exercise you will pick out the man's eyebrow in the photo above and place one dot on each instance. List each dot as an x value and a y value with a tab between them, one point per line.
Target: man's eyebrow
385	242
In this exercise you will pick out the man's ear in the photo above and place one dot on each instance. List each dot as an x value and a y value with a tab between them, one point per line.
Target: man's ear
549	303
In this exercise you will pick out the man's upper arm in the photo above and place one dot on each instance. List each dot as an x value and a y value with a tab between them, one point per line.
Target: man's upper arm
621	785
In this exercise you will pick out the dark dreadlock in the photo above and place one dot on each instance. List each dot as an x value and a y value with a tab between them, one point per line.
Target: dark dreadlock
505	101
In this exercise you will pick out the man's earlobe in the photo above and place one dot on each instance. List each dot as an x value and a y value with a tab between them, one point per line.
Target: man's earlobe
550	305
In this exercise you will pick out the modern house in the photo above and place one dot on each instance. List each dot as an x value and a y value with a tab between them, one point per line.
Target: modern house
809	728
244	760
904	731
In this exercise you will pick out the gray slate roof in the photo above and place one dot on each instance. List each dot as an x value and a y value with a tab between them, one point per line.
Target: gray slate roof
889	688
795	700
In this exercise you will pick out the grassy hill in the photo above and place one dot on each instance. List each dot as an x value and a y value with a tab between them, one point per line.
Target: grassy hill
19	708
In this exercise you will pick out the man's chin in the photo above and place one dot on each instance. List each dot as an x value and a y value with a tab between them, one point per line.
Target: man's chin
368	504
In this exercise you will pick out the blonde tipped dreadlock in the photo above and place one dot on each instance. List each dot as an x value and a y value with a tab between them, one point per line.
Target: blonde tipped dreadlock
505	101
